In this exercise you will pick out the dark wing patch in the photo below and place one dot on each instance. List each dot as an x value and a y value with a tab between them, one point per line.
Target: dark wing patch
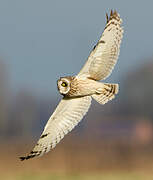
103	42
31	155
26	157
43	135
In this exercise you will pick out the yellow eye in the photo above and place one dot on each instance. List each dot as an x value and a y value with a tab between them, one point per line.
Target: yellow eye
64	84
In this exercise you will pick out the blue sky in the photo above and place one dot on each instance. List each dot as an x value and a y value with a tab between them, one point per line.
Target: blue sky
43	40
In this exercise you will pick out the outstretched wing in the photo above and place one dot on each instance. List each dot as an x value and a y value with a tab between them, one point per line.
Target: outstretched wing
104	55
67	115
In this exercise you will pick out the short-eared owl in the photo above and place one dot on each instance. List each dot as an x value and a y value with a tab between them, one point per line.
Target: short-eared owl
79	90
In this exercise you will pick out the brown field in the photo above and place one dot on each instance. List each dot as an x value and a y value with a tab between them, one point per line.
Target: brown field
107	160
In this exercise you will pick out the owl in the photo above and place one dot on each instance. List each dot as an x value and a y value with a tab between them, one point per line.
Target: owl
79	90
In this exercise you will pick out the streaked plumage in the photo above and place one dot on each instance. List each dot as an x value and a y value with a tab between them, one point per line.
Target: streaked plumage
79	90
105	54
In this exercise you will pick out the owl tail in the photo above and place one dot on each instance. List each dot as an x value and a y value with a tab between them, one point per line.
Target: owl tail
107	94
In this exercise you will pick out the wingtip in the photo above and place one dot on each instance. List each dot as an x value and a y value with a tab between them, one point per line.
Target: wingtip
115	12
22	158
113	15
107	18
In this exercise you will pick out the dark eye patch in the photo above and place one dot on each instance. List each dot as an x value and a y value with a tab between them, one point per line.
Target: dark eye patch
64	84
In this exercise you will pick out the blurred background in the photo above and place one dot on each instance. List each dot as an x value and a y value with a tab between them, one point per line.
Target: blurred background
43	40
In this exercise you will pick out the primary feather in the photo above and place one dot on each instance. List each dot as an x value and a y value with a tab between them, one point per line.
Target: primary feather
67	115
104	55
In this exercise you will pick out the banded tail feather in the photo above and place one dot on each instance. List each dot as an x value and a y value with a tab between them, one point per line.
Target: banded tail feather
108	93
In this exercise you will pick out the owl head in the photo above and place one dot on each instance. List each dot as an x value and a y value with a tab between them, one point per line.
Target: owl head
64	85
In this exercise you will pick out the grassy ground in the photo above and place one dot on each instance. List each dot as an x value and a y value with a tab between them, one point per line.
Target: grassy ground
104	176
67	163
